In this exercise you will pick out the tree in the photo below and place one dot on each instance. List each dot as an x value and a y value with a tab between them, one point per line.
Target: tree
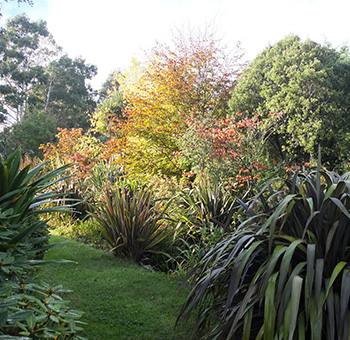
108	110
65	93
37	128
191	79
109	86
110	107
232	149
25	50
311	84
35	77
73	147
84	153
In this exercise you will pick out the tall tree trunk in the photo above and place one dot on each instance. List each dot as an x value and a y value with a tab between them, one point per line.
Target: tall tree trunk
48	95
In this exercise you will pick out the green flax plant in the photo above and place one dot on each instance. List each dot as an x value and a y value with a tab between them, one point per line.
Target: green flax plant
207	204
29	309
206	212
131	220
284	273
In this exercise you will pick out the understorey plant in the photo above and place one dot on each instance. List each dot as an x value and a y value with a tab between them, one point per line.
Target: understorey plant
131	220
205	213
29	309
284	273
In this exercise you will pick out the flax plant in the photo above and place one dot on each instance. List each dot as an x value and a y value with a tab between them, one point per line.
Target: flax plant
131	220
205	213
284	273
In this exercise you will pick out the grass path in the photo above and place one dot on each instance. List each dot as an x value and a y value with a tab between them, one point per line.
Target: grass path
121	300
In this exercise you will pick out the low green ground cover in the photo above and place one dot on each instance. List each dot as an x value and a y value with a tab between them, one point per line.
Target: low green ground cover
120	299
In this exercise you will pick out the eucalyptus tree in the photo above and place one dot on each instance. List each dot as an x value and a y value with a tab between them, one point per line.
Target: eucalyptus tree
26	48
36	77
66	93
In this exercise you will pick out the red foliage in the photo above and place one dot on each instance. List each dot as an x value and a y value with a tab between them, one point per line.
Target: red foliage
75	148
235	143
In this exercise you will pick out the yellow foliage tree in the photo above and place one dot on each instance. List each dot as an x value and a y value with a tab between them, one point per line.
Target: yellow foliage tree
190	80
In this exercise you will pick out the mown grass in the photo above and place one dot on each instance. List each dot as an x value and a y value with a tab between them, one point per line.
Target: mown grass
120	299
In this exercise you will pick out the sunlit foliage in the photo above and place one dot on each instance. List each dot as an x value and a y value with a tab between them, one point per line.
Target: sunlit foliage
191	79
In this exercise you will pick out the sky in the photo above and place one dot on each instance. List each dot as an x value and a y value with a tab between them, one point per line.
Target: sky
109	33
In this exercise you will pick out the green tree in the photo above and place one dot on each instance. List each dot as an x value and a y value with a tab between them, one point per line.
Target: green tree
311	83
38	82
37	128
110	85
25	50
66	94
110	108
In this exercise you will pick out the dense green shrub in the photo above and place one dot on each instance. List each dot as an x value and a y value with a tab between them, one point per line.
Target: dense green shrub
310	83
284	272
28	309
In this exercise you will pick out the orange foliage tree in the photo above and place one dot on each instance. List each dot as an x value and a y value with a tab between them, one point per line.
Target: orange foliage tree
232	149
76	148
191	79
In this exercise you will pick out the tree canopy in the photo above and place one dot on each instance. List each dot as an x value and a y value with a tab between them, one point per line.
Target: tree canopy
191	79
25	50
310	83
36	77
66	93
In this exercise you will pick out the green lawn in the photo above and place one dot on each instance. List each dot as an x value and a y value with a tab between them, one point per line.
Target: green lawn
121	300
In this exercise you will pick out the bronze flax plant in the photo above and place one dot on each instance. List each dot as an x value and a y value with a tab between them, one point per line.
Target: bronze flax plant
131	221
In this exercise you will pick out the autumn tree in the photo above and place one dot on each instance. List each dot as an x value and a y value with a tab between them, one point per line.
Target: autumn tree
83	152
191	78
73	147
311	84
232	149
